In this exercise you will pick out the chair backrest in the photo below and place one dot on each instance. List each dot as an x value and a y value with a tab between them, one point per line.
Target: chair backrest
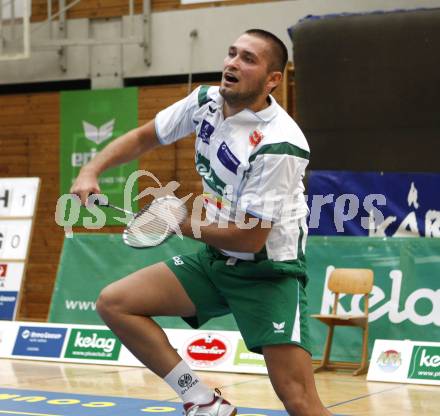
351	281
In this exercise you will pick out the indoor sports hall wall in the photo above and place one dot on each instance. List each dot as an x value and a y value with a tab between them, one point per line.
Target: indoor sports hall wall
368	90
114	8
106	8
30	146
171	45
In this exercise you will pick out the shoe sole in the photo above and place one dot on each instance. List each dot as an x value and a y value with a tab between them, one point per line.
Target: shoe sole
233	413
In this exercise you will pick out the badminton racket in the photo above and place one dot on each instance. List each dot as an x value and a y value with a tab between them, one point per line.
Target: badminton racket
154	223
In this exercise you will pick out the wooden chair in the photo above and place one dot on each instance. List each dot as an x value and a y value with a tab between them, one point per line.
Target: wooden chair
349	281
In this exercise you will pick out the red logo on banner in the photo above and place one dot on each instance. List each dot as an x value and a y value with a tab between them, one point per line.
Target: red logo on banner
389	361
207	350
3	269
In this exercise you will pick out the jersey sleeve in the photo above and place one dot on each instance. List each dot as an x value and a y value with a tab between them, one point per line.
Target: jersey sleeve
176	121
274	181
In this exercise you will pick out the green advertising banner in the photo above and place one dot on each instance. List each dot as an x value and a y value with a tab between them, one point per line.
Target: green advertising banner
89	121
425	363
96	344
405	300
404	304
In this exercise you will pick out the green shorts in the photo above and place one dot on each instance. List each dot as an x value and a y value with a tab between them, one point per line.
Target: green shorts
267	298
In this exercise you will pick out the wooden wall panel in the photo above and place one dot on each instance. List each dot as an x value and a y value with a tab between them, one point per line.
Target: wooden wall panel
31	124
13	155
114	8
29	144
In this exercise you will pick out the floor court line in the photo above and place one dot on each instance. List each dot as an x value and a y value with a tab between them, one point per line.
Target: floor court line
365	396
256	379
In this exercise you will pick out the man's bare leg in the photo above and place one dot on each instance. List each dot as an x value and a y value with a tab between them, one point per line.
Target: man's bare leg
127	305
290	371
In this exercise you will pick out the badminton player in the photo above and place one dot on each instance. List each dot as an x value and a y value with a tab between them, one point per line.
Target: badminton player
251	157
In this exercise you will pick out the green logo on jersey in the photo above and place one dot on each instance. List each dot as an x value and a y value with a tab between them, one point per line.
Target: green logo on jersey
204	169
425	363
93	344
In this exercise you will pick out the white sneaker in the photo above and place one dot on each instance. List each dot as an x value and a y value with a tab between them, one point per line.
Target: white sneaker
217	407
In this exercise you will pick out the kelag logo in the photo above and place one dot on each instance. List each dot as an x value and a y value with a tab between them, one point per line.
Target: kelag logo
425	363
396	309
39	341
93	344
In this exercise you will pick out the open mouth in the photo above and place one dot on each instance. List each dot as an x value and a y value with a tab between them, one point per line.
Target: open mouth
230	78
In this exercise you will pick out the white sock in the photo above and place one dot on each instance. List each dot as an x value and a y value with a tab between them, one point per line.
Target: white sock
187	385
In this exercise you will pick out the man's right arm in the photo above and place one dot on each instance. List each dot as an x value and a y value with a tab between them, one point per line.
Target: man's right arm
173	123
122	150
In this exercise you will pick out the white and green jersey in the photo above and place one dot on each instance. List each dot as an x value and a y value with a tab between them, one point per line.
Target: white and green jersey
249	163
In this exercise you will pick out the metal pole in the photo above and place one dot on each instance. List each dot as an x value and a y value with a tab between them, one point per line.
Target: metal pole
147	31
26	24
62	33
49	16
131	14
13	33
62	14
62	10
1	27
193	36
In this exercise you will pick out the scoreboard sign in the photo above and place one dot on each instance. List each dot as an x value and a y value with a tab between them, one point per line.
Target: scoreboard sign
14	239
18	199
18	196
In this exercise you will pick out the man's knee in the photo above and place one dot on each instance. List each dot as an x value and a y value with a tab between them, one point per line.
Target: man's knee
109	301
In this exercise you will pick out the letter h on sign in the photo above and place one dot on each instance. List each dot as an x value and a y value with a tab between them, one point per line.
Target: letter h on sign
4	199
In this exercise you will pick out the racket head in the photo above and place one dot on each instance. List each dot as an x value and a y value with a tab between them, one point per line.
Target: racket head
155	222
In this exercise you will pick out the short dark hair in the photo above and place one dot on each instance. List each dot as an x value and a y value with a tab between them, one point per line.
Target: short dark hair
279	50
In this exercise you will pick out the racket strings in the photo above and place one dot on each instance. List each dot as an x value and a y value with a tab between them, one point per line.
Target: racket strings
155	222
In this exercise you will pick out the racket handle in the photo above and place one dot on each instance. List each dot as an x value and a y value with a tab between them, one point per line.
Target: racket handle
125	211
101	203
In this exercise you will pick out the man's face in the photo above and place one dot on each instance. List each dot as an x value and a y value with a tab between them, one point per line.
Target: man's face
245	71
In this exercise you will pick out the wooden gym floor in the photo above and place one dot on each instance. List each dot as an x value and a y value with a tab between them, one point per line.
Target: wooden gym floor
340	391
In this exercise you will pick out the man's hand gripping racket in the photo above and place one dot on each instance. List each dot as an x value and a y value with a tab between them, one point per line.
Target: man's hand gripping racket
154	223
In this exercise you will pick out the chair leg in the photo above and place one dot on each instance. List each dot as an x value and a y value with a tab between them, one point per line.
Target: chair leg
328	345
364	357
